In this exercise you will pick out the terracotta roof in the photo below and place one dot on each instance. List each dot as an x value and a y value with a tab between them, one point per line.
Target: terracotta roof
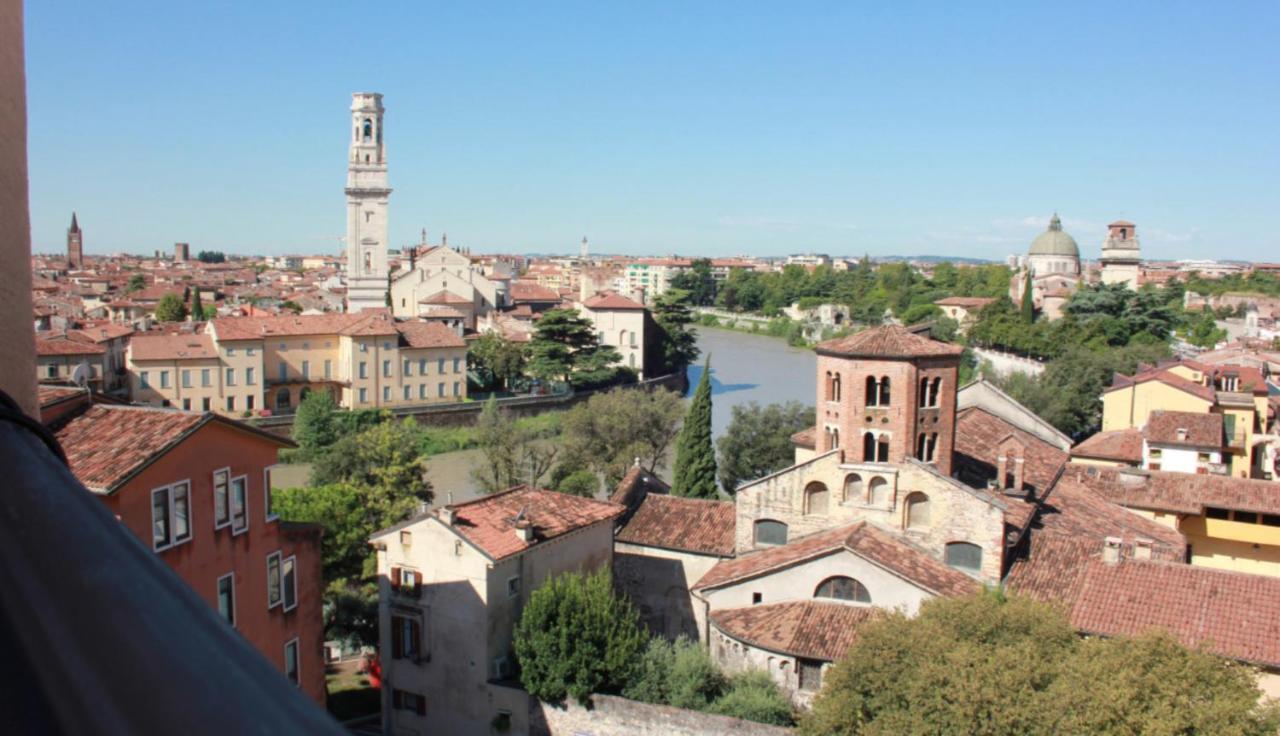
968	302
429	335
806	438
528	291
861	539
890	341
438	312
172	347
1184	428
686	524
444	297
809	629
1166	377
489	522
368	322
103	332
1231	614
611	300
635	485
50	395
61	345
979	437
1123	445
1183	493
106	445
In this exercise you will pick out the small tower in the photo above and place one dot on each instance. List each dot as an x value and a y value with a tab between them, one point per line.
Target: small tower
1121	254
582	254
75	244
887	394
367	198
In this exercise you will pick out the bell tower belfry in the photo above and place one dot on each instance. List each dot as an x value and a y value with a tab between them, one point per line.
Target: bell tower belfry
367	197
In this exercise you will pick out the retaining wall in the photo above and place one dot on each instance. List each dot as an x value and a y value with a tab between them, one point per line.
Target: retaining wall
610	715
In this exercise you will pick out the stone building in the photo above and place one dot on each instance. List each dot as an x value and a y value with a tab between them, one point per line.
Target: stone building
367	197
75	244
439	278
1121	255
1053	265
620	323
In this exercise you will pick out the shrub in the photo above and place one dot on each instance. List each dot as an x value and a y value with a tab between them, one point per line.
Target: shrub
754	696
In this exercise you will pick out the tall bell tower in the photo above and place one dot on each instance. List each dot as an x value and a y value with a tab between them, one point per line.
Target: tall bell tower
367	195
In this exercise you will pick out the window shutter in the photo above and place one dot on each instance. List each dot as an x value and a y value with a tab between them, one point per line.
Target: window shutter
422	705
417	580
397	644
395	578
395	699
415	634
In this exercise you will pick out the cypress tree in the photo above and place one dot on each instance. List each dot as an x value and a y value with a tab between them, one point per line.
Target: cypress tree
1028	303
197	307
695	471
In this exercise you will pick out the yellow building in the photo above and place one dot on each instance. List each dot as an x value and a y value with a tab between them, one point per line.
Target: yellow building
243	365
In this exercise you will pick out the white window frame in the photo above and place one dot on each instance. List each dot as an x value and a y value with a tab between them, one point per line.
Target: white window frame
290	562
217	523
297	662
279	579
231	490
268	508
218	594
170	523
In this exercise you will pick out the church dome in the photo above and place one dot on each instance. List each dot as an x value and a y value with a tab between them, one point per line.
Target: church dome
1055	242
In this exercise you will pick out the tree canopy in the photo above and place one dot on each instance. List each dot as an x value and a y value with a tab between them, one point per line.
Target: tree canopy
674	344
758	441
496	359
609	431
695	469
513	453
171	309
564	348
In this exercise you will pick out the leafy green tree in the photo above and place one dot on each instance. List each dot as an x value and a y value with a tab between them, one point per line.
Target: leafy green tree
674	344
919	313
512	452
945	329
758	441
608	432
1203	331
293	306
171	309
697	282
197	306
211	256
315	426
579	483
754	696
496	358
695	469
136	283
577	636
344	546
351	613
1028	305
564	344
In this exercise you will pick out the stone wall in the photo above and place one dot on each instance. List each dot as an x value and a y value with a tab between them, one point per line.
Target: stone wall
609	715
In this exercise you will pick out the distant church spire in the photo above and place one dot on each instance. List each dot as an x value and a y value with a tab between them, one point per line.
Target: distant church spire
75	244
75	226
1055	223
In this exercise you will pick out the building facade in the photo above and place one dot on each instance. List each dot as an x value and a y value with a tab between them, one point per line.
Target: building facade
75	244
367	198
1121	255
620	323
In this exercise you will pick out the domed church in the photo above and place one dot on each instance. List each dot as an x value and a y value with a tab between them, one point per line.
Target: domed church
1053	264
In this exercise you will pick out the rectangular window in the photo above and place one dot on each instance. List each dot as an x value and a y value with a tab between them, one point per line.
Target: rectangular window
284	371
457	388
422	366
386	369
239	504
364	369
289	582
406	638
268	503
440	365
422	390
810	675
363	348
1270	520
1156	453
386	393
408	367
186	378
164	379
408	392
328	369
231	376
1202	457
250	351
306	369
513	586
171	515
440	390
206	403
205	377
248	376
143	378
161	535
231	352
457	365
405	700
231	403
248	402
186	404
227	597
274	590
291	663
221	498
364	396
1245	517
1216	513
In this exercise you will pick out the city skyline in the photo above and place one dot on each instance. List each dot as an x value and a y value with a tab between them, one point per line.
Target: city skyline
698	133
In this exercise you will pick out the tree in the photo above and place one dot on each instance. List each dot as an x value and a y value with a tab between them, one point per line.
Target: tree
211	256
171	309
1203	331
579	483
293	306
512	453
351	613
314	425
674	345
197	306
561	340
344	546
577	636
697	282
608	432
758	441
136	283
1028	306
1016	666
754	696
695	470
496	358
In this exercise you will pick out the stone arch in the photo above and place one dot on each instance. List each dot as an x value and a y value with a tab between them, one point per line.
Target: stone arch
282	399
817	499
852	487
918	512
842	588
868	447
878	492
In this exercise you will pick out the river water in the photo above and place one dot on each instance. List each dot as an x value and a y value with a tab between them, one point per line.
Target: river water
744	368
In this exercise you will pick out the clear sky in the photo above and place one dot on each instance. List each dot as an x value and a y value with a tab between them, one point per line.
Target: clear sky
698	128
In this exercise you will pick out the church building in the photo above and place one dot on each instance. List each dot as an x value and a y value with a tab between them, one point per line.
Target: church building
1053	265
367	196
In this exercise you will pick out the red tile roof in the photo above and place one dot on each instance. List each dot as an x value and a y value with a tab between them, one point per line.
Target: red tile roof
978	439
611	300
1184	428
368	322
489	522
968	302
1123	445
806	438
444	297
861	539
1166	377
172	347
685	524
50	395
890	341
429	335
61	345
1183	493
528	291
809	629
635	485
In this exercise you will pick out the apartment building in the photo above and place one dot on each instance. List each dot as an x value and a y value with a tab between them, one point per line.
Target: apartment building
196	488
619	322
654	275
242	365
453	583
93	356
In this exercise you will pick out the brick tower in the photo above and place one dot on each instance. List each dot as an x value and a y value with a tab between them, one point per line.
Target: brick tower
887	394
75	244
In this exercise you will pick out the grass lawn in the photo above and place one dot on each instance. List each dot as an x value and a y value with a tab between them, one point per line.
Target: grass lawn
350	695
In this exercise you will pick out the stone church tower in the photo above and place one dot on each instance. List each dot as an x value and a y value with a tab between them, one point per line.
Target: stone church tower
1121	257
75	244
367	195
887	394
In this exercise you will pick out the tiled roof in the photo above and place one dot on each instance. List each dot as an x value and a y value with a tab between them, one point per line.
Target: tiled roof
61	345
861	539
429	335
50	395
368	322
103	331
1166	377
968	302
1185	428
686	524
635	485
528	291
978	438
172	347
1183	493
805	438
889	341
489	522
444	297
611	300
809	629
1124	445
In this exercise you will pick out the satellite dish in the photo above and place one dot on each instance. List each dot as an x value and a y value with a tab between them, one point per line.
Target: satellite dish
80	376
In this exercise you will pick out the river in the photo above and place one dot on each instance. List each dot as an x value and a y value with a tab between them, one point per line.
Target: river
744	368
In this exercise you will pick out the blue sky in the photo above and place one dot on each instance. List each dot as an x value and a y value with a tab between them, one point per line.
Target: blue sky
699	128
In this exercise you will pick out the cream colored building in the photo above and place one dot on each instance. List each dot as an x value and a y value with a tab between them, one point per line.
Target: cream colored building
619	322
1121	255
452	584
248	364
443	277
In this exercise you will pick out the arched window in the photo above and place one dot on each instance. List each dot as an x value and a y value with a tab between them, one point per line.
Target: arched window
1124	233
878	492
852	487
282	398
842	588
829	388
920	449
873	392
302	395
923	400
769	533
835	387
882	449
835	438
368	129
936	392
816	498
917	511
964	556
868	447
884	391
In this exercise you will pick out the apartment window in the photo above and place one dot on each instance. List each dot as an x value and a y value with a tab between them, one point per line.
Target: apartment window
227	597
440	390
282	346
1202	457
408	392
422	390
274	588
306	346
248	402
186	378
231	352
328	369
386	369
1155	453
363	348
1270	520
51	371
386	346
231	403
1245	517
364	396
170	515
408	367
205	377
186	404
810	675
513	586
422	366
456	389
289	582
1216	513
164	379
250	351
386	393
231	376
268	503
239	504
306	369
206	403
440	365
291	662
457	364
284	371
405	700
406	638
364	369
248	377
143	377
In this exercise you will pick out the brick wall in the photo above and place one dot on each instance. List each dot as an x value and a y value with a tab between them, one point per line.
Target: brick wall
609	715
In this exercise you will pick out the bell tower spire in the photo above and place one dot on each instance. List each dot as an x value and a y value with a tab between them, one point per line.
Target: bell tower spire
367	199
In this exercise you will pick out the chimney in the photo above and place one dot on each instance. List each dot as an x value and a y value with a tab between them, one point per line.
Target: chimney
524	530
1142	548
1111	551
1017	473
447	515
1002	471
